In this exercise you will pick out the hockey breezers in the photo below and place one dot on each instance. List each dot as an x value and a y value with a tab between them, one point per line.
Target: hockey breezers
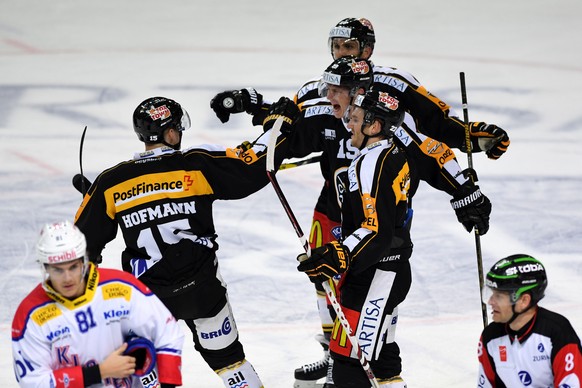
326	286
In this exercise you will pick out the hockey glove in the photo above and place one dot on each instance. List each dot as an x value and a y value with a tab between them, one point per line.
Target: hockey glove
144	352
285	108
490	138
325	262
236	101
81	183
472	207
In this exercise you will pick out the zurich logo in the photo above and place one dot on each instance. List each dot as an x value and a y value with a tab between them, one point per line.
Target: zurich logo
541	347
525	378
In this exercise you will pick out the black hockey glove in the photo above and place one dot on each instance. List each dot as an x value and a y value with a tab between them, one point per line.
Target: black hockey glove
285	108
236	101
81	183
325	262
472	207
490	138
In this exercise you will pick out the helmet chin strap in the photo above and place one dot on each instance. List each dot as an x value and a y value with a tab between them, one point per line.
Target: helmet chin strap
516	314
366	137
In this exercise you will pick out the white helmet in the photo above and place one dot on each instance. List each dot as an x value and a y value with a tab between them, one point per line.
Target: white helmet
61	242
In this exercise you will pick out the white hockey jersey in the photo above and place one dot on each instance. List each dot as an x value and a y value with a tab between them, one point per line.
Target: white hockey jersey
545	353
53	338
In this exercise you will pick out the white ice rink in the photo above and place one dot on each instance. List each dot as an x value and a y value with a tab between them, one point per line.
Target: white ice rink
66	64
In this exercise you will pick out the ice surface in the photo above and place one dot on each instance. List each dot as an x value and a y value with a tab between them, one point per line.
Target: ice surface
66	64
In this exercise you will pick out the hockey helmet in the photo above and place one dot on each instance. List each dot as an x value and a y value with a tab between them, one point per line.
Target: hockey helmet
360	30
156	114
61	242
518	274
381	106
350	72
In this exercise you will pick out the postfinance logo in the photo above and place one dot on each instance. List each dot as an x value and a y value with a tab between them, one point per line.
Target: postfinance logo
151	187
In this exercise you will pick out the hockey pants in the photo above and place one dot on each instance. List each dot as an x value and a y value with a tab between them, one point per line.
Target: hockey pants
369	300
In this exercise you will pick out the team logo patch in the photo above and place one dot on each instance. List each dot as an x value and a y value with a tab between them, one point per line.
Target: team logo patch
336	232
366	23
159	113
390	102
360	67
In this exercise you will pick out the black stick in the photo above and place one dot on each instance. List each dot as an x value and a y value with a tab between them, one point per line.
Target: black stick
83	180
473	178
302	162
326	286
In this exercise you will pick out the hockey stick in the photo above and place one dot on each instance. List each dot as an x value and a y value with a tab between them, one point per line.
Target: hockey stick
80	182
473	178
326	286
313	159
272	143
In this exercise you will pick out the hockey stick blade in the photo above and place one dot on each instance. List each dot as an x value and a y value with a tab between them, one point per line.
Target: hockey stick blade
302	162
81	183
272	144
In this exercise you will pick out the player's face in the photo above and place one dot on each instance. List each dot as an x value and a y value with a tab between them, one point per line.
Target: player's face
355	124
340	99
501	306
67	278
342	47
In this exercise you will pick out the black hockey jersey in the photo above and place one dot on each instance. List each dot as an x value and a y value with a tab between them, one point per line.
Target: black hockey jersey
163	196
544	353
375	208
317	130
433	117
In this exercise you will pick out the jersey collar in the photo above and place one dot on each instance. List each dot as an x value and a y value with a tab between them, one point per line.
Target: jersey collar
156	152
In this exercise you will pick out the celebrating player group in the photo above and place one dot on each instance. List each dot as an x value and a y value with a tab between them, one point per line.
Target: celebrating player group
379	132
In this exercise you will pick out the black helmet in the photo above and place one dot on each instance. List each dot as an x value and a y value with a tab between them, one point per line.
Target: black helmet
518	274
351	72
381	106
360	30
156	114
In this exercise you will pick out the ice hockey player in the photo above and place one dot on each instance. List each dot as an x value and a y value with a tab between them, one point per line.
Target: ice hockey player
434	118
73	329
525	345
373	255
162	201
321	128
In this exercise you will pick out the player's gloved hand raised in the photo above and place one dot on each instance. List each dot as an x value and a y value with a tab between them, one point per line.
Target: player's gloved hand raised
285	108
236	101
325	262
490	138
472	207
